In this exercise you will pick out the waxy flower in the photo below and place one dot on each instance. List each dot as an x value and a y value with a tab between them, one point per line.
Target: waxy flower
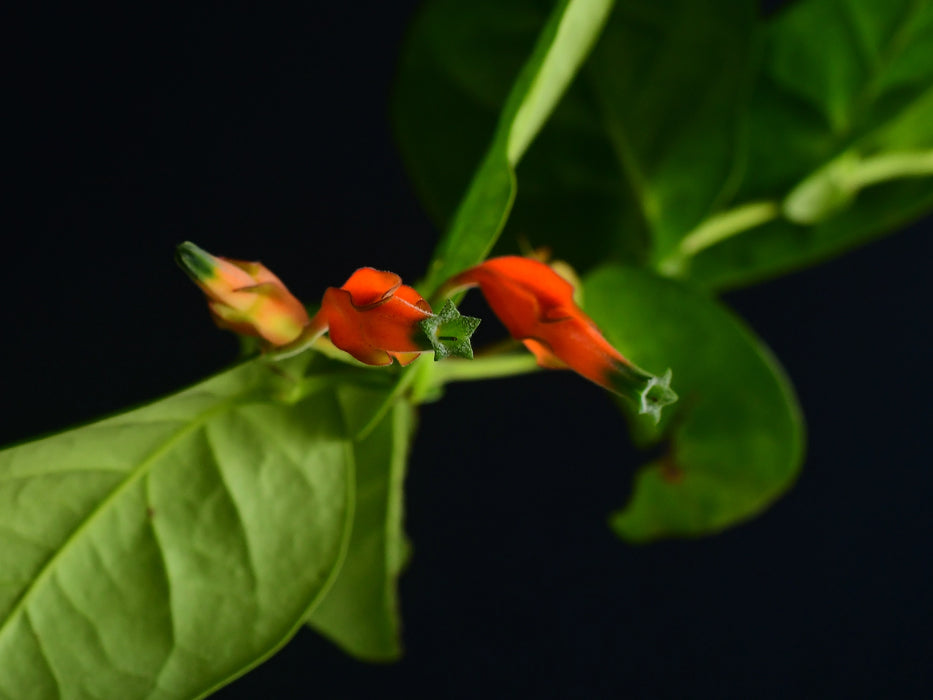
536	306
375	318
244	297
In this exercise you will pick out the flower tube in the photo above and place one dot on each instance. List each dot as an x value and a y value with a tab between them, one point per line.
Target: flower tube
536	306
377	319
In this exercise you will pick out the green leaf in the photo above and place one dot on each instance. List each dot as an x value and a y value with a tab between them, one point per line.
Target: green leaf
734	441
618	162
840	122
696	139
558	52
360	611
162	552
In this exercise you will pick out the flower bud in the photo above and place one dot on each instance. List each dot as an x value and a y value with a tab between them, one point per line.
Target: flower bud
244	297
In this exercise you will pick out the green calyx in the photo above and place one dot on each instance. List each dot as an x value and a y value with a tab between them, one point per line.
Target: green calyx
449	332
650	392
656	395
197	263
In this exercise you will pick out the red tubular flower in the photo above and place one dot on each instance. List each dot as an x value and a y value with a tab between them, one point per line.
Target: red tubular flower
375	318
536	306
244	297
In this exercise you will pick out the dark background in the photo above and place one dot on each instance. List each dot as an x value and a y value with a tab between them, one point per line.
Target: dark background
261	134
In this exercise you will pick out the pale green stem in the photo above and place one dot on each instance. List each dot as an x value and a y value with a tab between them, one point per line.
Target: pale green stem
727	224
483	368
404	381
716	229
890	166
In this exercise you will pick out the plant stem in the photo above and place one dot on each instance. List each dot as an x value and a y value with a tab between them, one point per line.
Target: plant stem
890	166
716	229
483	368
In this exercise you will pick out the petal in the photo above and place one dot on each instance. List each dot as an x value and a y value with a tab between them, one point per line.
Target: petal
543	354
540	280
409	294
370	333
368	286
577	343
347	328
405	358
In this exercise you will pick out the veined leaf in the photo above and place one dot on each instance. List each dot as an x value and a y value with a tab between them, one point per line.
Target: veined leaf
360	611
559	50
734	440
161	552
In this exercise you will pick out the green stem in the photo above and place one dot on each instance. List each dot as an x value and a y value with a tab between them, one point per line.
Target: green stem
483	368
890	166
716	229
404	381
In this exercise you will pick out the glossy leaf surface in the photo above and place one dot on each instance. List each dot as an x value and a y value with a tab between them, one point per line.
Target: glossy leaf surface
733	442
161	552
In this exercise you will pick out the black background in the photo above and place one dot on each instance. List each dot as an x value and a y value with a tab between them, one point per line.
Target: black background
265	134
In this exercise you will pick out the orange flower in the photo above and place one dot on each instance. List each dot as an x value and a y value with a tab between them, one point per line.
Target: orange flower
375	318
244	297
536	305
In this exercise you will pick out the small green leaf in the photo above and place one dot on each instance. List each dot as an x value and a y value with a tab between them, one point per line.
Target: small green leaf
164	551
734	441
360	611
449	332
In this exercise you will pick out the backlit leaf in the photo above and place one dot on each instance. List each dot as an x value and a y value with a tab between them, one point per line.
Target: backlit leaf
733	442
161	552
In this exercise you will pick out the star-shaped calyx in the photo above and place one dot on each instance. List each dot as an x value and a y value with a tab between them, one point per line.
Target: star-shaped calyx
449	332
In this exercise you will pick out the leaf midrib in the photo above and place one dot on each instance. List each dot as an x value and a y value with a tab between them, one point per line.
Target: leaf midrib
134	475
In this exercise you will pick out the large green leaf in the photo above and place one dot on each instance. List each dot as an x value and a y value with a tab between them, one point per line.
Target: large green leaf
360	611
558	52
162	552
734	441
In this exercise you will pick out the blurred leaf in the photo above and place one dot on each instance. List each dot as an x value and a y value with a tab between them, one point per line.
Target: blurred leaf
781	246
618	161
685	114
844	82
734	441
360	611
451	87
558	51
161	552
